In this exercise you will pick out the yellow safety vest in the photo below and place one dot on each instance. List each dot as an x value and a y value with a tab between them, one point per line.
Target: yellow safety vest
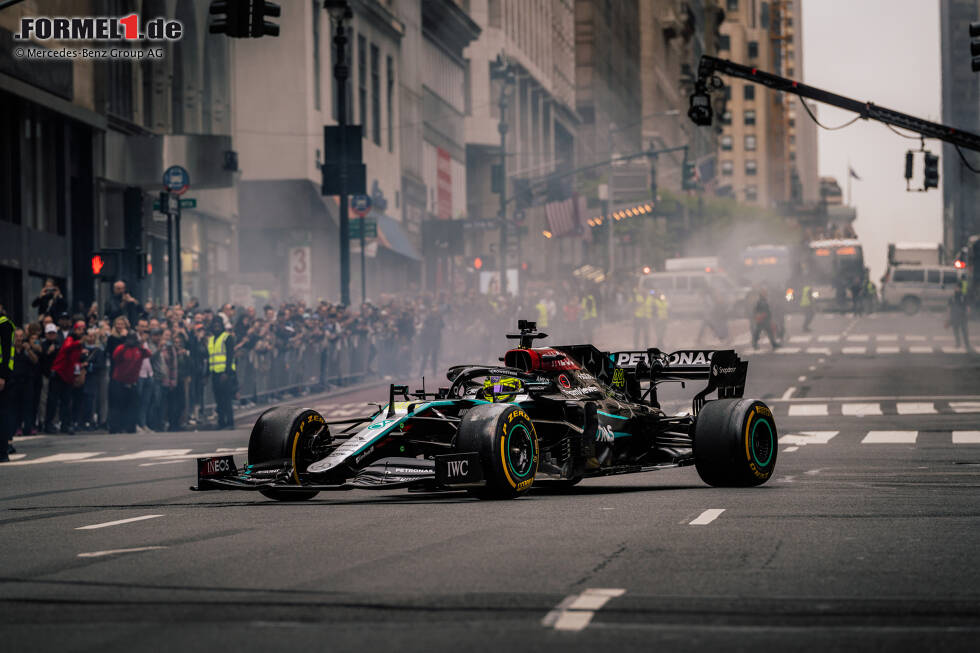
588	307
3	320
542	315
217	358
805	299
644	305
964	284
661	305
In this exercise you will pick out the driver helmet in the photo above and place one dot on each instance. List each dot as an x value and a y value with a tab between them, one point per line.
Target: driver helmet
500	389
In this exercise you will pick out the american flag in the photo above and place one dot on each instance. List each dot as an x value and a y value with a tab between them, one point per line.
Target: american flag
563	216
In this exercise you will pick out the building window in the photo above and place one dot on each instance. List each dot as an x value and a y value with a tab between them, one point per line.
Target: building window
792	139
316	54
725	42
375	95
728	93
750	116
750	142
726	142
726	118
362	81
753	49
751	193
792	156
727	168
391	105
764	15
732	5
749	91
790	72
750	167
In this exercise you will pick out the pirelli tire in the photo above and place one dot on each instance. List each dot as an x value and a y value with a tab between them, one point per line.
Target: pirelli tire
282	435
505	438
735	443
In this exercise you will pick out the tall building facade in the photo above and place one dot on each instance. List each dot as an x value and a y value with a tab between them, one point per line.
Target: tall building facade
961	108
801	131
753	146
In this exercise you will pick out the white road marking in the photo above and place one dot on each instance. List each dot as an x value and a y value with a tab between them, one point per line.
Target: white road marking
787	350
860	410
812	368
920	349
887	336
576	611
828	338
818	350
886	350
890	437
854	350
915	338
92	527
915	408
953	350
17	456
346	412
858	338
790	449
801	379
807	410
820	360
966	437
25	438
147	453
109	552
163	462
707	517
57	458
800	338
789	392
965	406
804	438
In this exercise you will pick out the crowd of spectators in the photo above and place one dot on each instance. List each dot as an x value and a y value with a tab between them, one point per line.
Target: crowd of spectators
135	366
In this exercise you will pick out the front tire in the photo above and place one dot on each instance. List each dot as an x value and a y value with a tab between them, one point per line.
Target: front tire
282	435
505	438
735	443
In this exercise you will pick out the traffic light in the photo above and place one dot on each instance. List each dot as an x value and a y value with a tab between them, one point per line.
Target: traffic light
653	178
105	264
931	171
484	262
975	46
523	195
908	165
244	18
689	178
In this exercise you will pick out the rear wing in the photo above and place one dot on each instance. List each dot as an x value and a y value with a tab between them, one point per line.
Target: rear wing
722	368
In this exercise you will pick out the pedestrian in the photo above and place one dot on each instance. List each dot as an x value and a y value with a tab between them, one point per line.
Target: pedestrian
806	303
171	404
156	407
67	379
127	358
642	317
762	320
122	303
8	414
24	376
662	311
144	386
95	367
221	367
49	350
50	301
958	319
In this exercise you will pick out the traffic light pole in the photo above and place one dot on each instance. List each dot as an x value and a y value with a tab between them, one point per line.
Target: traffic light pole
170	253
340	73
178	261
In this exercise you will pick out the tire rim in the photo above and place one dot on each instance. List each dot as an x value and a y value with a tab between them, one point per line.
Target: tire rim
520	451
762	448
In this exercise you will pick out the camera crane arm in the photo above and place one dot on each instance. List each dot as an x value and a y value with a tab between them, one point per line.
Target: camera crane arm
700	109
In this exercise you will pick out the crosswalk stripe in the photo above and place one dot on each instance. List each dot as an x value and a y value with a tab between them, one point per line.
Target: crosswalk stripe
833	338
787	350
800	338
890	437
966	437
952	350
915	408
915	338
854	350
56	458
965	406
818	350
886	336
858	337
807	410
886	350
860	410
914	349
807	437
148	453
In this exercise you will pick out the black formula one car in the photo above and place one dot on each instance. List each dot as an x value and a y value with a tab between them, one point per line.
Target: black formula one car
548	414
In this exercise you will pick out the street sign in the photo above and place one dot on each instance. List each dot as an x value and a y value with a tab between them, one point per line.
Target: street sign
370	228
360	204
185	203
176	180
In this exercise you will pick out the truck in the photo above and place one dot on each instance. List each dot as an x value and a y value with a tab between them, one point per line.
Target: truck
915	253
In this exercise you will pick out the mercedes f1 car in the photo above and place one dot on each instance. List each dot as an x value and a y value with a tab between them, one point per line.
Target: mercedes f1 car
548	414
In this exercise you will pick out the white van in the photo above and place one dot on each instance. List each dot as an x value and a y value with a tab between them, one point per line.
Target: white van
685	290
916	287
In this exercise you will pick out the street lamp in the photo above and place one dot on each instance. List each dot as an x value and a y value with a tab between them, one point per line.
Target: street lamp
504	71
340	12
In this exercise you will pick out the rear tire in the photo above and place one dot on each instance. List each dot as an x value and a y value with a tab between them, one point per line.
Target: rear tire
735	443
911	305
505	438
282	435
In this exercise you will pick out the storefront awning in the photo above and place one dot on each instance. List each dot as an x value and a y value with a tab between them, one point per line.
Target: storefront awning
392	236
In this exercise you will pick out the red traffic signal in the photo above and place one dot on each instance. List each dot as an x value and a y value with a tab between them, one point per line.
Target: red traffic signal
477	263
98	263
104	264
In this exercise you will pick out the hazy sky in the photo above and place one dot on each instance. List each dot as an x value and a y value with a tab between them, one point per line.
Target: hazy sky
887	52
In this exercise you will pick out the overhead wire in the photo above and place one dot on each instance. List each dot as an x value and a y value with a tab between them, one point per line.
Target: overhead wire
814	118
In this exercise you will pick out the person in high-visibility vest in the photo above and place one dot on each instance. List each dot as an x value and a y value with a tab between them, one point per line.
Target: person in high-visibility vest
7	412
221	367
589	315
662	309
542	309
806	303
642	317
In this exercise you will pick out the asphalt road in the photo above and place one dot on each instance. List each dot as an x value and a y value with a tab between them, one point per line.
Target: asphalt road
866	538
